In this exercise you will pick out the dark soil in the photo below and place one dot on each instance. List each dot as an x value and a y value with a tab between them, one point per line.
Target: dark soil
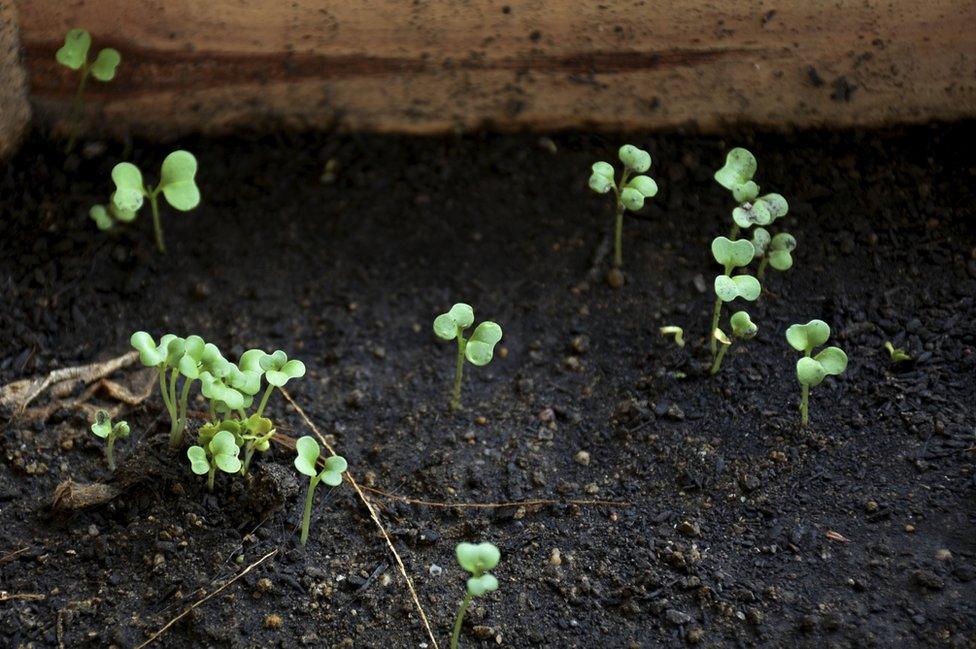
741	528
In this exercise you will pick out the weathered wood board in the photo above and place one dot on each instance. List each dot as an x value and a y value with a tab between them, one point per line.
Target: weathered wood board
14	107
437	65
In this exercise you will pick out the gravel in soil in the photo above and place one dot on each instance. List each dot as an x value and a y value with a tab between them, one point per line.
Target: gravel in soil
741	529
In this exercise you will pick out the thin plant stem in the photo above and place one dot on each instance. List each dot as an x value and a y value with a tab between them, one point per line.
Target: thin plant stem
457	622
211	474
307	514
804	400
175	434
157	226
717	365
264	399
761	272
716	314
248	454
458	371
181	412
110	452
734	232
618	255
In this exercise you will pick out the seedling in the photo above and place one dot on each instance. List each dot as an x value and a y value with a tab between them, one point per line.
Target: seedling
478	560
897	354
773	251
731	255
220	452
306	461
630	192
677	332
176	183
104	428
478	349
74	55
106	216
811	370
742	328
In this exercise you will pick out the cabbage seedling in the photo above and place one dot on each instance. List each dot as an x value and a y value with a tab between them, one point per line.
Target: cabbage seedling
74	55
731	254
166	358
106	216
629	192
742	328
221	452
256	433
478	560
104	428
773	251
677	332
811	370
753	209
306	460
897	354
478	349
176	184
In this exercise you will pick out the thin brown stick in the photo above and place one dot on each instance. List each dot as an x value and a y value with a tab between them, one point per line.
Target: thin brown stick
31	597
176	619
10	556
373	515
514	503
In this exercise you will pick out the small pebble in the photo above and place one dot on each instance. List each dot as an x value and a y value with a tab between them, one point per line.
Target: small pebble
943	554
871	506
272	621
583	458
910	528
555	559
435	570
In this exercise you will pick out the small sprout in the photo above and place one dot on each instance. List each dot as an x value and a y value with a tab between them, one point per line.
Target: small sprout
811	370
630	193
776	251
74	55
221	452
742	328
104	428
731	254
677	332
762	211
105	216
256	435
478	349
176	183
897	354
478	560
307	450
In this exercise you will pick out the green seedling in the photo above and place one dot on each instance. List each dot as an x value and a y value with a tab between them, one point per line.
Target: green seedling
106	216
176	184
742	328
630	192
773	251
811	370
731	255
104	428
306	461
74	55
478	560
897	354
478	349
677	332
220	452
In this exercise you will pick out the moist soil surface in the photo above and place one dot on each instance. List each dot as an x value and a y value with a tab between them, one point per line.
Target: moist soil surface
733	526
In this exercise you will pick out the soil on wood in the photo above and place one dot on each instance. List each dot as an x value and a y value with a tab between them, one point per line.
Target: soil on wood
735	528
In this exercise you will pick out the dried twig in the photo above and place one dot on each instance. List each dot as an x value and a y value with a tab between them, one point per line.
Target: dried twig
17	395
197	603
374	516
514	503
10	556
30	597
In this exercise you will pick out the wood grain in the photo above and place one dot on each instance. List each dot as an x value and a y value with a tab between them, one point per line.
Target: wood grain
432	66
14	107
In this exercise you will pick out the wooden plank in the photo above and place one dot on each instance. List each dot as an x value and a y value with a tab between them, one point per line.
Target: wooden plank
14	108
430	66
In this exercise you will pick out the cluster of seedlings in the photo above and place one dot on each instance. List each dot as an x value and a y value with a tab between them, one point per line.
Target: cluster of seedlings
765	248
